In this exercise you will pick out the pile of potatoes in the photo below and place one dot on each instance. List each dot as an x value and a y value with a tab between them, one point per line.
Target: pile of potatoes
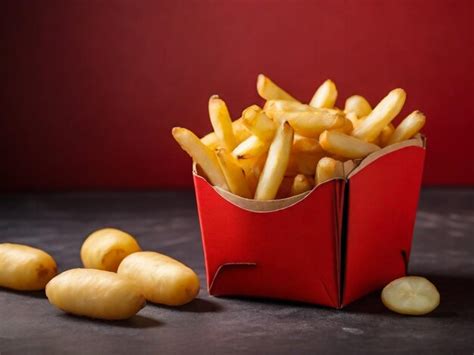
115	283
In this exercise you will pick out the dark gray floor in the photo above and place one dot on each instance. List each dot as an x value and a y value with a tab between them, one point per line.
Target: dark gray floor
166	221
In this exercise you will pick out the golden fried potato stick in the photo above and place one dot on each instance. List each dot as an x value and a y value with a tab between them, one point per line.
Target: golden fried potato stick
358	105
276	164
252	147
311	123
241	133
234	174
303	144
221	122
258	123
327	169
410	126
382	115
285	105
268	90
385	135
301	183
346	128
201	155
347	146
325	96
253	168
351	116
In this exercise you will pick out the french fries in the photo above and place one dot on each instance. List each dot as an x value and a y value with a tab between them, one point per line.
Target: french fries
325	96
241	133
273	152
327	169
358	105
221	122
410	126
258	123
382	115
347	146
311	123
303	144
234	174
301	183
276	164
268	90
385	135
201	155
250	148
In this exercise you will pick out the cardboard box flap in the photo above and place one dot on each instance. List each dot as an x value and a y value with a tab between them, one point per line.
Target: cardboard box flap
382	201
417	141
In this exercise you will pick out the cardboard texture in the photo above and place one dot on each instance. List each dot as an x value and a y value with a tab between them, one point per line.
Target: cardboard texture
330	246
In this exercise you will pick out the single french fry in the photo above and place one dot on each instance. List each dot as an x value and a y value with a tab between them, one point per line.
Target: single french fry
325	96
301	183
241	133
276	163
382	115
258	123
252	168
342	144
358	105
353	118
328	168
303	144
252	147
268	90
311	123
234	174
201	155
410	126
385	135
285	105
221	122
346	128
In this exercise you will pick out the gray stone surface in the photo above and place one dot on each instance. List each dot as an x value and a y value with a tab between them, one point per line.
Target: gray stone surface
166	221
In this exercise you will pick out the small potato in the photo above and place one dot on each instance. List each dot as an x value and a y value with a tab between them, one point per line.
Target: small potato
96	294
105	249
162	279
25	268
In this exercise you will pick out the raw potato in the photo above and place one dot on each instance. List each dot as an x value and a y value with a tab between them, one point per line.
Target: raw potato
162	279
96	294
24	268
412	295
105	249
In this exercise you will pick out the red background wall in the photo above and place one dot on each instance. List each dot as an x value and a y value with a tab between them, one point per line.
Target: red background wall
91	89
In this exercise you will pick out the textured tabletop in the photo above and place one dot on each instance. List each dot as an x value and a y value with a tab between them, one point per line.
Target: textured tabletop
166	221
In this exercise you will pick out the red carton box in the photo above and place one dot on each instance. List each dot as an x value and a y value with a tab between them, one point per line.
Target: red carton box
330	246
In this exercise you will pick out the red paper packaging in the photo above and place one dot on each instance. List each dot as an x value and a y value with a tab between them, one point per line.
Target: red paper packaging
330	246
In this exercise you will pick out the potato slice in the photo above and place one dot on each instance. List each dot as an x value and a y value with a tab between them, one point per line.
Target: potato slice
411	295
